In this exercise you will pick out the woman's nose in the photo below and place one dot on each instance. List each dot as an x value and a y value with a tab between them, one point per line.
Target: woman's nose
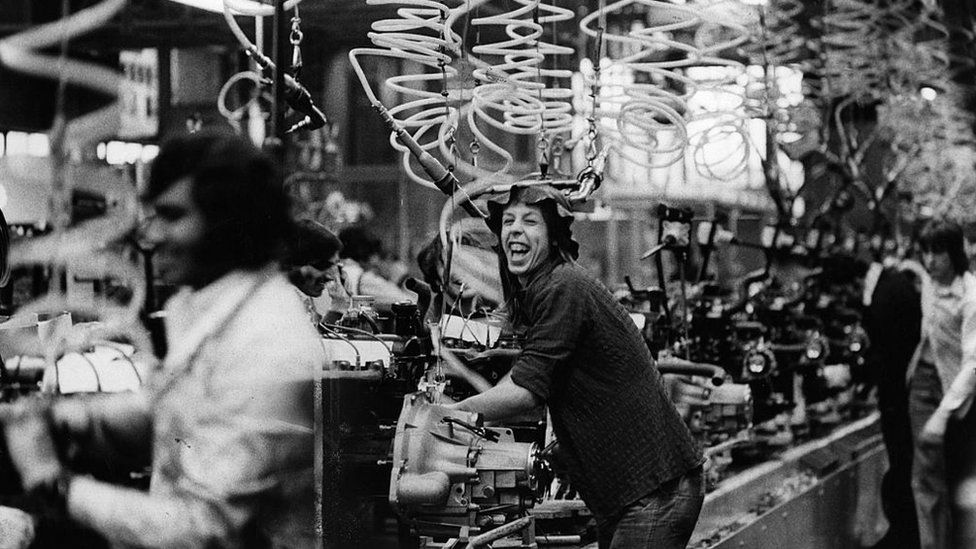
150	232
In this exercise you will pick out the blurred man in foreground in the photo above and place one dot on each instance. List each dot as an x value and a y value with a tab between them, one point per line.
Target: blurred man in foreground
227	416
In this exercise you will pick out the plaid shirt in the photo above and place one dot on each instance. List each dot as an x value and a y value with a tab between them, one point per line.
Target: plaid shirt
618	431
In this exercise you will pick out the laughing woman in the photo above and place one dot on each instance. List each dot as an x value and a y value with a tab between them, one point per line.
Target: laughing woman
626	448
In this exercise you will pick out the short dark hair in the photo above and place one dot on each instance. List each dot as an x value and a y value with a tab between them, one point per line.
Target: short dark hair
940	236
237	188
359	244
311	243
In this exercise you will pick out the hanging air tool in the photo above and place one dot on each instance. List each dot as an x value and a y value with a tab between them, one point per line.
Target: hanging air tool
296	95
443	178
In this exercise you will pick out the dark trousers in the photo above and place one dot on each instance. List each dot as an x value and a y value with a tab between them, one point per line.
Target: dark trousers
897	500
663	519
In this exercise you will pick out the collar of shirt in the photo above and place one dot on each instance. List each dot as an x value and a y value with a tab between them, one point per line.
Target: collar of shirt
192	316
956	288
543	272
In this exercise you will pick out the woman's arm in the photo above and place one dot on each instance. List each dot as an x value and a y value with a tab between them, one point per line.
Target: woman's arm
506	399
958	398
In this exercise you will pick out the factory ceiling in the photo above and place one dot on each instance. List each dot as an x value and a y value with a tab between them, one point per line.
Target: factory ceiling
161	23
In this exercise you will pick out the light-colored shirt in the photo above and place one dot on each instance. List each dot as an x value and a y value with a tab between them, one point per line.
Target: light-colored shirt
959	392
942	315
232	421
362	282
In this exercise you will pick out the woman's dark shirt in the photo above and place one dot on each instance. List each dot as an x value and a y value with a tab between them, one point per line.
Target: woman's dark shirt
618	431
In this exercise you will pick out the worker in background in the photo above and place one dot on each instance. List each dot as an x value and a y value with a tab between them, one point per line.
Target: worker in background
361	255
475	285
952	426
892	319
311	263
628	453
948	297
227	416
969	233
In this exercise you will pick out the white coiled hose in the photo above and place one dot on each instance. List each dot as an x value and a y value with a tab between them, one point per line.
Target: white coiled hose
82	246
780	41
721	147
510	99
919	50
558	94
648	120
21	53
854	63
517	90
418	34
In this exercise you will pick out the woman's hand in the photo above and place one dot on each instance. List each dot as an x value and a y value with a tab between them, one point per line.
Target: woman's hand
687	392
933	433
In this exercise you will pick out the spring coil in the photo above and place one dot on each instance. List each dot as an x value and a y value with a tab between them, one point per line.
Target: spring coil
647	120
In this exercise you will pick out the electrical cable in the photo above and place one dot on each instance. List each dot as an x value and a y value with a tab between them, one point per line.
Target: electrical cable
358	331
98	379
359	358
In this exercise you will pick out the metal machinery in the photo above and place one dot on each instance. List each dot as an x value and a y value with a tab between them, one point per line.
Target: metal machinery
785	352
453	477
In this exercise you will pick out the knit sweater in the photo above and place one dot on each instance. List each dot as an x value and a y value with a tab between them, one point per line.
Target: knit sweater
618	431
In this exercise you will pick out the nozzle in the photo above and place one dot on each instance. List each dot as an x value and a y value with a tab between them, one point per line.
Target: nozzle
442	178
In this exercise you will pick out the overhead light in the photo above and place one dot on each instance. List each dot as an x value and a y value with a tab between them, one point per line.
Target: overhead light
928	94
216	6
